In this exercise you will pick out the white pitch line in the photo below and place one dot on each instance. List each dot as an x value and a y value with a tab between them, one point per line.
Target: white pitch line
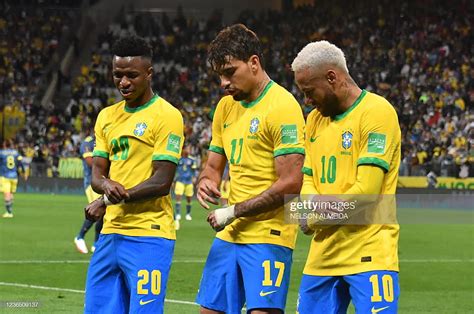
22	285
200	261
81	261
436	260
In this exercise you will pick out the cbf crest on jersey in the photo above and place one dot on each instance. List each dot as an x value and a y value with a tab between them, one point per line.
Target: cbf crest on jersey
139	129
254	125
346	140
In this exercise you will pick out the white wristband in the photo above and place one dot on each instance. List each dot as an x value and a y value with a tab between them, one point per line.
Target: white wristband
107	202
225	216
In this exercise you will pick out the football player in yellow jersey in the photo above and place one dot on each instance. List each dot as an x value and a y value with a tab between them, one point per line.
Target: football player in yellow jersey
352	149
138	145
258	127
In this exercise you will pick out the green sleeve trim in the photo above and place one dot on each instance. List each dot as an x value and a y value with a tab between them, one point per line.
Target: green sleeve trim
99	153
286	151
374	161
165	157
217	149
307	171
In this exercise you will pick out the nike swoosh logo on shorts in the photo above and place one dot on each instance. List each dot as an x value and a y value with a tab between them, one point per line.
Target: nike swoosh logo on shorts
374	310
146	302
263	294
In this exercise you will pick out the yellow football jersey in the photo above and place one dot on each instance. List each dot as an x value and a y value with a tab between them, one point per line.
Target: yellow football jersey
368	133
131	138
251	135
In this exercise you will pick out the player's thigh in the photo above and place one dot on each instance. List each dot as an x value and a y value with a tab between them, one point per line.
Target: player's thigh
13	185
189	190
179	188
146	262
221	287
374	291
323	295
6	185
266	270
91	195
106	289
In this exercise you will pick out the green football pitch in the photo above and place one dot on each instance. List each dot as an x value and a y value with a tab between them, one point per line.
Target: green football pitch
39	263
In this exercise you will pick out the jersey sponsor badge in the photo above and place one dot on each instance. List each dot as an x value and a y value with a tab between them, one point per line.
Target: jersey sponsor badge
254	125
173	143
140	129
376	143
346	140
289	134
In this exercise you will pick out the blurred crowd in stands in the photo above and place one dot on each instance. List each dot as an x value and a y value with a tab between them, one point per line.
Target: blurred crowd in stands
419	55
30	33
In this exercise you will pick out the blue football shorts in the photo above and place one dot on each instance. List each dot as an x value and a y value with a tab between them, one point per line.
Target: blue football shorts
128	274
257	275
371	292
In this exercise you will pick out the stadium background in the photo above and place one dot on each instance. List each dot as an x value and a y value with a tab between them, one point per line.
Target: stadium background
55	77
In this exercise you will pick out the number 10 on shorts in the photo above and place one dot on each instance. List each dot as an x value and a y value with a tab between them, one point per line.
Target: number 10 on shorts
387	288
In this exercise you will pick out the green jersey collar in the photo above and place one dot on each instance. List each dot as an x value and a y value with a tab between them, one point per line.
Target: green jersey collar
144	106
253	103
352	107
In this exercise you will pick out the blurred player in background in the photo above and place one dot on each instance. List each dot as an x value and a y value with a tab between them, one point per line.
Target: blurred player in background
184	184
352	149
258	127
138	145
10	167
225	186
87	147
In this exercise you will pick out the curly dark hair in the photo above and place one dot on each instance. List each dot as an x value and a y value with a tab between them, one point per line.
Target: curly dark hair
236	41
132	46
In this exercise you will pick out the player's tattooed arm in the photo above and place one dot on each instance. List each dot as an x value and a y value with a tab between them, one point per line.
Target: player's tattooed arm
290	179
157	185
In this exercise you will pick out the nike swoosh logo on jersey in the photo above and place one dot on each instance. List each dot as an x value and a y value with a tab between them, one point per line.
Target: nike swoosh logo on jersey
262	293
146	302
226	125
313	139
374	310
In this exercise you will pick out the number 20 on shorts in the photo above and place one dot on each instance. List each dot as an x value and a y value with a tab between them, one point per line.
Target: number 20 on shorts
149	282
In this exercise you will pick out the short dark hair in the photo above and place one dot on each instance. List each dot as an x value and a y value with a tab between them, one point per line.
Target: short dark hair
236	41
132	46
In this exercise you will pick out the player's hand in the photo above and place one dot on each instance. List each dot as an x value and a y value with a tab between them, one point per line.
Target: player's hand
207	191
221	217
95	210
305	227
115	191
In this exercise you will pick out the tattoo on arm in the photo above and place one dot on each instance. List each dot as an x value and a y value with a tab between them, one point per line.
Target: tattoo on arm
290	180
267	201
